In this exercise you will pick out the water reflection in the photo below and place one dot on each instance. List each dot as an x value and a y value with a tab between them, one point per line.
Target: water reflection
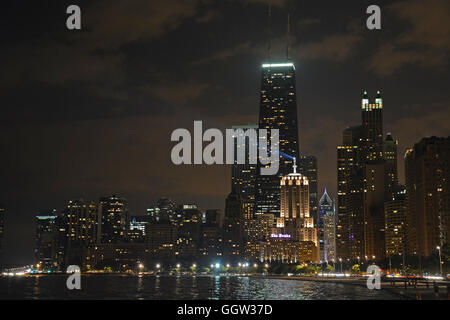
181	287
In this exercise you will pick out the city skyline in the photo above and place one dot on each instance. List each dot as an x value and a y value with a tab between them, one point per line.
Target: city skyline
50	182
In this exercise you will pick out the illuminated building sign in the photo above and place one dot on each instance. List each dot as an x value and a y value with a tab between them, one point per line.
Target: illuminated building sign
280	235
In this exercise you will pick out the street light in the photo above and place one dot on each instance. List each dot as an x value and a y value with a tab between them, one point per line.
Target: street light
340	259
440	260
158	266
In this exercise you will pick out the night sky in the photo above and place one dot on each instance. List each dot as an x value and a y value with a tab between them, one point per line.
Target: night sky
89	113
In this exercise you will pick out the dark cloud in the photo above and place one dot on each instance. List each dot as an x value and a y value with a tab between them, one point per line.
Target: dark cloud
424	42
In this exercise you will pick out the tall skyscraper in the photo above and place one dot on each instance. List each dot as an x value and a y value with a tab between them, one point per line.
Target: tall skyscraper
372	121
427	171
294	196
366	178
278	110
374	177
45	248
327	228
350	219
243	176
307	166
295	224
113	220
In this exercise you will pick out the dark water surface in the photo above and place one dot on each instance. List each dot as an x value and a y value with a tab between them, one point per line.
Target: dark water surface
182	287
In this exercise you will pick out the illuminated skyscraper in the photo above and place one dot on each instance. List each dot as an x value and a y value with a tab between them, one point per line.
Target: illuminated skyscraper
350	218
372	121
114	220
327	228
243	176
45	248
80	219
367	177
278	110
395	222
294	196
189	220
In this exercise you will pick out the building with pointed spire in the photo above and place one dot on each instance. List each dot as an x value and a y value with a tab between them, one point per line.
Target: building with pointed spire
327	228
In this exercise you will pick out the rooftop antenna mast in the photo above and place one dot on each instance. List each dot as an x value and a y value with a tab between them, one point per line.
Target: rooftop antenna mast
269	24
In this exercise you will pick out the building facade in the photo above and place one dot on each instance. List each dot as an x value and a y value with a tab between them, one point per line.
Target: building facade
427	172
278	110
327	228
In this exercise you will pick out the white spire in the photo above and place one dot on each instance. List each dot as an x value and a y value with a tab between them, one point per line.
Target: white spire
295	166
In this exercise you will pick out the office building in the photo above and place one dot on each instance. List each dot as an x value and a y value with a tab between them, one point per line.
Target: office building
278	110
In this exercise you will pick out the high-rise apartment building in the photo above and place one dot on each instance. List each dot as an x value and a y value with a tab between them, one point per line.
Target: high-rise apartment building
395	224
350	192
80	219
189	220
427	172
113	220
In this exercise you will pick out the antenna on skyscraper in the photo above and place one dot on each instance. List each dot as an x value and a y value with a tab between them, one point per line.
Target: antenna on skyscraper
269	25
288	36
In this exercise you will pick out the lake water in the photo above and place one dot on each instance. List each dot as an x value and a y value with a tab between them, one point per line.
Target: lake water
182	288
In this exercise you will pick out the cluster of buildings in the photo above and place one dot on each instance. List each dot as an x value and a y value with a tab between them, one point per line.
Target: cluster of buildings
376	217
278	217
266	218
